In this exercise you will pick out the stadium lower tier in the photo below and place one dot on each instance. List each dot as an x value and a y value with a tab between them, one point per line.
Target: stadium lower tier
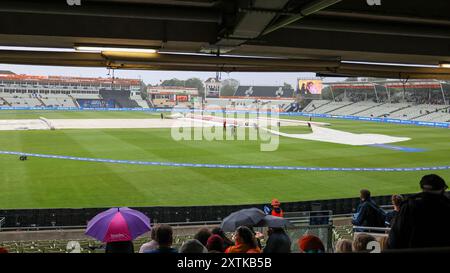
401	110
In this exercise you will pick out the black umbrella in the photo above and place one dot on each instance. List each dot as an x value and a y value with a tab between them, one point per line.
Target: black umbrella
274	222
244	217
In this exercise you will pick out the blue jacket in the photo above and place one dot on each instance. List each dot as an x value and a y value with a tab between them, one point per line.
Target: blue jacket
368	214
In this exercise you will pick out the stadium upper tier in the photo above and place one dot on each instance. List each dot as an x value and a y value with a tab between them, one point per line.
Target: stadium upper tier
408	111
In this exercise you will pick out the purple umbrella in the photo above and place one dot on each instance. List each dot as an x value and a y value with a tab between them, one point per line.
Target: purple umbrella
117	225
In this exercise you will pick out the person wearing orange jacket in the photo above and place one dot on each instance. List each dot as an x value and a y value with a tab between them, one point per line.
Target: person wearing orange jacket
274	209
245	242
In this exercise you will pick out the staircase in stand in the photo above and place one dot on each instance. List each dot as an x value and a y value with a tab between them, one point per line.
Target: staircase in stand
5	102
75	102
41	101
371	107
339	108
396	110
318	106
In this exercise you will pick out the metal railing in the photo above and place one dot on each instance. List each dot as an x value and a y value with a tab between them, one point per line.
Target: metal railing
361	229
2	220
303	218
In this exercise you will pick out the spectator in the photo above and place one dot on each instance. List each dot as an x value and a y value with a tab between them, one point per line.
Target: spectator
152	245
215	244
193	246
202	235
226	241
274	209
310	244
119	247
396	202
245	242
383	241
424	218
361	242
368	214
343	246
258	236
164	238
278	241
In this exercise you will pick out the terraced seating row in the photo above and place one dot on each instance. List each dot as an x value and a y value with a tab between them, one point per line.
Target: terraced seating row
422	112
342	232
86	245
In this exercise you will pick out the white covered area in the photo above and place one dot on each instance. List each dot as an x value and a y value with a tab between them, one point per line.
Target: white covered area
247	122
341	137
175	120
319	133
47	124
23	124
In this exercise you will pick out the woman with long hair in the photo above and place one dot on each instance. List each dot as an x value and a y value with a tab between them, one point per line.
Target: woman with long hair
245	242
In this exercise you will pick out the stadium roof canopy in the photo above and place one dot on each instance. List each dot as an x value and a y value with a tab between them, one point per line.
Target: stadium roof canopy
329	37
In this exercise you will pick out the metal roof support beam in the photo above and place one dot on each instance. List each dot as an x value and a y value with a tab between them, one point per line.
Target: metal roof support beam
305	11
118	11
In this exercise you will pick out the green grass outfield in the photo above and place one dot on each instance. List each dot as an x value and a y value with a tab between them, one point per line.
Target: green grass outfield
49	183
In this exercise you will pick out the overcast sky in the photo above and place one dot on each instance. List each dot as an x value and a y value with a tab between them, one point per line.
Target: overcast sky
154	77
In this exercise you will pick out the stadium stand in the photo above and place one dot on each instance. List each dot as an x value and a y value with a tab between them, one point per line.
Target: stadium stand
263	92
424	100
411	111
421	100
85	96
336	227
61	246
442	115
23	100
353	108
315	104
381	109
140	102
57	100
330	107
121	97
247	104
408	111
54	91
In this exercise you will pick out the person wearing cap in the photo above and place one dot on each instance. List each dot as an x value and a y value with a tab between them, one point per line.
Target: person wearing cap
274	209
215	244
424	218
310	244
